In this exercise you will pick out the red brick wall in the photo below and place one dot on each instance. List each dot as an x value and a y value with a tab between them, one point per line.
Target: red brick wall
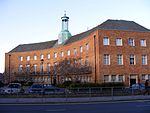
95	48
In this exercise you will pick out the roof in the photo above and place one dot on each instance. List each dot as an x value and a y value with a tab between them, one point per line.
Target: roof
34	46
110	25
122	25
107	25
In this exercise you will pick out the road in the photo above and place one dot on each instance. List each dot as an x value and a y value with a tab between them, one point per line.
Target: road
101	107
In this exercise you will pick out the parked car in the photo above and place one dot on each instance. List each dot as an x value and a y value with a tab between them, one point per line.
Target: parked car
135	88
12	88
36	88
138	87
45	89
53	90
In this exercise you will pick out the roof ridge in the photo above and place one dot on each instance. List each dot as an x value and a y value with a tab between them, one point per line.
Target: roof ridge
39	42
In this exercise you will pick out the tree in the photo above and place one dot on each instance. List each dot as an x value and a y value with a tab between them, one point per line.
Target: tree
70	69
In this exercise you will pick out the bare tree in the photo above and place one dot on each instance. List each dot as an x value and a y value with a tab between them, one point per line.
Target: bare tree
71	69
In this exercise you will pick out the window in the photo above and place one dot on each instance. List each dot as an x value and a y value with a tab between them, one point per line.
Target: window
20	58
61	54
75	51
120	59
106	78
143	76
28	58
68	52
82	62
48	56
42	56
27	68
35	68
143	42
106	59
20	69
48	68
35	57
119	42
105	41
120	78
131	42
113	78
41	68
81	49
55	55
86	61
144	60
132	59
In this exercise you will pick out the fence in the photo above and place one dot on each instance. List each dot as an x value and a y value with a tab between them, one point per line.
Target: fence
76	92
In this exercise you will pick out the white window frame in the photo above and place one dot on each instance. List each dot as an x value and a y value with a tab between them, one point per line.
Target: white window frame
132	57
106	59
35	68
113	78
28	68
42	56
131	42
75	51
143	43
41	68
81	49
120	78
21	58
35	57
106	78
28	58
120	59
143	77
105	41
118	41
48	56
68	52
20	68
144	59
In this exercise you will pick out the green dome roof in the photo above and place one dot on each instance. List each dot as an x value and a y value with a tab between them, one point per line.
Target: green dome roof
63	35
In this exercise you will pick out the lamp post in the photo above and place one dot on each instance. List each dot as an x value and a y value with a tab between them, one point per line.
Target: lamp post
9	69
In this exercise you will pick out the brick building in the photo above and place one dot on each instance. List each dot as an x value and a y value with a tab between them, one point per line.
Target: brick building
114	51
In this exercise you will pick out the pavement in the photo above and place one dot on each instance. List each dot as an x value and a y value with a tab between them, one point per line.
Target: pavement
72	100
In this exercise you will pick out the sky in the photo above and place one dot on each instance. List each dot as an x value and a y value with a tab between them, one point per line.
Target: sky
33	21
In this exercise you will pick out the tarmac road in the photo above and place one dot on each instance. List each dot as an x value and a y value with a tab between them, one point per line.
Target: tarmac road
99	107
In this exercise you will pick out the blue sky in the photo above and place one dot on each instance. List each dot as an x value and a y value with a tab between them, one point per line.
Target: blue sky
31	21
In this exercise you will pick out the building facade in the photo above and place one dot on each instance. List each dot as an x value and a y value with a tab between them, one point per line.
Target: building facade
114	51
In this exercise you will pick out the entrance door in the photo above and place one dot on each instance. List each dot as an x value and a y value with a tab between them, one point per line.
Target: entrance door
132	81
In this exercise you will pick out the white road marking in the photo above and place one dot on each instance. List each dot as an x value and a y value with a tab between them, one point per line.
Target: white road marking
54	110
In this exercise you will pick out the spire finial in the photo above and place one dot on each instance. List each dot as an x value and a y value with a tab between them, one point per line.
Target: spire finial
64	12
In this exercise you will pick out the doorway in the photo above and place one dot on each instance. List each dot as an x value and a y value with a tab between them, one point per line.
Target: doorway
132	81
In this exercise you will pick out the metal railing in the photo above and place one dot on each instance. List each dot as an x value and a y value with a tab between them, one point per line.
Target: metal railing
76	92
